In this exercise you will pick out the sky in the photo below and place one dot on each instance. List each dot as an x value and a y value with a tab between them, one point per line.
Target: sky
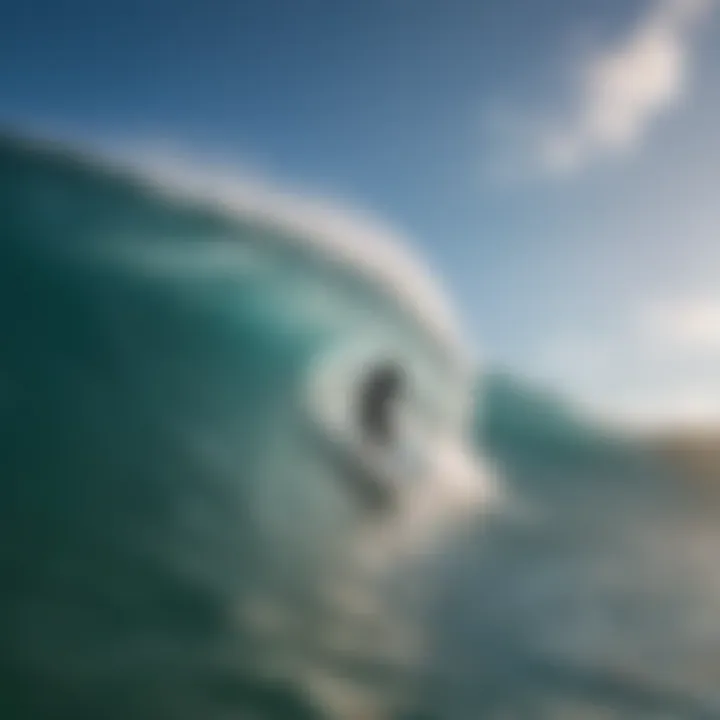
556	160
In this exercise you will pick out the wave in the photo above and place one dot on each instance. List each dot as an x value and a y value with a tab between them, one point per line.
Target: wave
185	468
188	513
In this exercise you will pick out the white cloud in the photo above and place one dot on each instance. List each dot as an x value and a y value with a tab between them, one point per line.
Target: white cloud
660	367
690	405
623	90
688	325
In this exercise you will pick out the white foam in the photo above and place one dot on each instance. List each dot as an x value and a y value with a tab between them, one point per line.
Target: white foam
460	487
342	235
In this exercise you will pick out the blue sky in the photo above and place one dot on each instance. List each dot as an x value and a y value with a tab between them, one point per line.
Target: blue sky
557	159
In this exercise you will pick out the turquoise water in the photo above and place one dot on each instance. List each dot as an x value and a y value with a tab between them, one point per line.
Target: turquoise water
192	528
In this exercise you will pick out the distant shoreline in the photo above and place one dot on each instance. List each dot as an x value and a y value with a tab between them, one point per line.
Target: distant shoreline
695	452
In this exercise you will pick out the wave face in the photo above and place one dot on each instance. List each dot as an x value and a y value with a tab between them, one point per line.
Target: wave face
196	518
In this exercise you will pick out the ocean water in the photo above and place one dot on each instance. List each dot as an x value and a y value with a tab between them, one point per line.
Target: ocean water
597	595
201	518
